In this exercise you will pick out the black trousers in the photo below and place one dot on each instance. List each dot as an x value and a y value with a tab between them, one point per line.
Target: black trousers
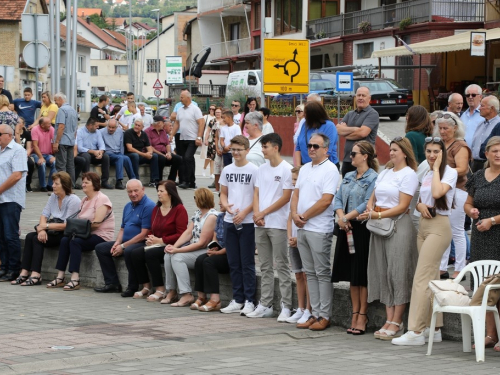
174	164
33	251
153	258
187	149
91	159
346	168
80	165
207	269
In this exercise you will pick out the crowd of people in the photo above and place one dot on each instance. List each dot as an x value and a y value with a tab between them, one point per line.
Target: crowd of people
439	173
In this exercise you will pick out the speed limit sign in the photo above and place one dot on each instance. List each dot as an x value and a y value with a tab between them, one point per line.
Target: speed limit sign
157	93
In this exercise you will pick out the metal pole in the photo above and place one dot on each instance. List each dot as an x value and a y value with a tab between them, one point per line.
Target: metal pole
262	31
143	67
131	44
158	54
137	58
74	66
57	52
68	54
52	45
35	16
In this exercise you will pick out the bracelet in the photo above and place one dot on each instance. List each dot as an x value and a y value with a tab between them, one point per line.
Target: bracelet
47	226
380	215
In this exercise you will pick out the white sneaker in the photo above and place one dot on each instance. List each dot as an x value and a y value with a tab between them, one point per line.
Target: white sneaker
437	335
295	317
284	315
249	307
410	338
233	307
261	311
304	317
212	176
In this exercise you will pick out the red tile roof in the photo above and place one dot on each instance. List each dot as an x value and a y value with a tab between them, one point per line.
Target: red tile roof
118	21
11	10
80	40
118	36
105	37
140	42
85	12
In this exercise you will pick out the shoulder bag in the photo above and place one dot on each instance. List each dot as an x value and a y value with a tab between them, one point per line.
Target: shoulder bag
80	228
52	232
449	293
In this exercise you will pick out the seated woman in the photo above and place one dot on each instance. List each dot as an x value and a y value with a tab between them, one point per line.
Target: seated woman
49	232
179	258
168	221
207	269
97	208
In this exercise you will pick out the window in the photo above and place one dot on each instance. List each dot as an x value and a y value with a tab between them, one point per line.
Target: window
288	16
256	13
364	50
94	71
322	8
256	42
121	69
81	64
352	5
153	65
234	29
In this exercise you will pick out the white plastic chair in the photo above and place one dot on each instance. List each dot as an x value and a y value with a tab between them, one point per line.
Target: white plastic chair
471	314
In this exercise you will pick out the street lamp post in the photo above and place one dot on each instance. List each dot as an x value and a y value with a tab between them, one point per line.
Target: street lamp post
157	51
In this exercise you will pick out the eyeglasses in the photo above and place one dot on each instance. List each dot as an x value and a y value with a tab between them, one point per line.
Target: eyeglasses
314	145
237	150
235	105
298	111
432	139
446	116
212	109
471	95
353	154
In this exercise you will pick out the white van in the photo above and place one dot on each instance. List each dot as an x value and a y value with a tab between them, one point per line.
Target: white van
244	83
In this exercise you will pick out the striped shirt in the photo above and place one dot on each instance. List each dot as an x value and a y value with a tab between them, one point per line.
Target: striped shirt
70	205
13	158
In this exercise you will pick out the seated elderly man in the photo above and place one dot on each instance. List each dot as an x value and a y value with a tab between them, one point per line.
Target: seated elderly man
91	147
112	136
160	141
139	150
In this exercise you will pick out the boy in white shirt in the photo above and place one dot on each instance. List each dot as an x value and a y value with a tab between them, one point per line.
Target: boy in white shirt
237	184
267	127
271	201
227	133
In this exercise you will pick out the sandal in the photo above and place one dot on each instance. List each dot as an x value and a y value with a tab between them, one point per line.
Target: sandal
390	334
140	294
72	286
20	279
491	343
497	347
31	281
155	297
183	304
198	303
55	283
210	306
349	330
168	301
376	334
359	332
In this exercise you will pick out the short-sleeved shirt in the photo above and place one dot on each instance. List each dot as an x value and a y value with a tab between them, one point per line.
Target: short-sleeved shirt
482	133
52	107
44	139
450	178
106	229
306	133
159	141
313	182
13	158
98	116
228	133
198	223
27	110
70	205
9	118
188	125
139	142
255	155
240	182
272	181
147	120
356	118
129	118
136	217
267	128
389	184
67	116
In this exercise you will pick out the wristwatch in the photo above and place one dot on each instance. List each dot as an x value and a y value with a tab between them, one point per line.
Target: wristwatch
123	247
493	222
198	138
344	220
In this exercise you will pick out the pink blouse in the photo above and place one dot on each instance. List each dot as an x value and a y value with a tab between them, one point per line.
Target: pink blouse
89	207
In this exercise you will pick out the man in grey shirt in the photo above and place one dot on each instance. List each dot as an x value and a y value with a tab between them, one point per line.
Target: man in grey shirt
65	134
358	125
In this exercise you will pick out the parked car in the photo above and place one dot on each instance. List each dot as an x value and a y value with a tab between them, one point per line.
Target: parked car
316	86
164	111
397	86
322	75
118	93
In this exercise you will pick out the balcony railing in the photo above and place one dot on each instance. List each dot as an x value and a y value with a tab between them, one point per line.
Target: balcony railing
229	48
208	5
216	91
390	15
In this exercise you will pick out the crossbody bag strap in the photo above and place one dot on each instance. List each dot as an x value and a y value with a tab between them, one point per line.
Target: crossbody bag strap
257	141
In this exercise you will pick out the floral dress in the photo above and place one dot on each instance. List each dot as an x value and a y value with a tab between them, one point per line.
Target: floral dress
212	150
198	222
9	118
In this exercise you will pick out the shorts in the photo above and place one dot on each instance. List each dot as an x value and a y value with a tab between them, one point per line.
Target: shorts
218	165
295	260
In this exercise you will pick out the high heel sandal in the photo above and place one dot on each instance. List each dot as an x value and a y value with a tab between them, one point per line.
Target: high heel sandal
20	279
72	285
56	283
359	332
31	281
198	303
390	334
377	334
349	330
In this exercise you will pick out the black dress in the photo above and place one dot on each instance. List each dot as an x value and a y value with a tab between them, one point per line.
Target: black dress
484	245
352	267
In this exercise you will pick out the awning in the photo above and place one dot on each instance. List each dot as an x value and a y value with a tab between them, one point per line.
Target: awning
451	43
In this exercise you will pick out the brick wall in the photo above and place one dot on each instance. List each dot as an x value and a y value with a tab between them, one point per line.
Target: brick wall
9	43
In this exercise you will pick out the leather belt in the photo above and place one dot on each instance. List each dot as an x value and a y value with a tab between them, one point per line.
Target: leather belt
380	209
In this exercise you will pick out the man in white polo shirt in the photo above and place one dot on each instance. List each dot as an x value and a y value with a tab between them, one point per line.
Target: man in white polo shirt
191	124
312	211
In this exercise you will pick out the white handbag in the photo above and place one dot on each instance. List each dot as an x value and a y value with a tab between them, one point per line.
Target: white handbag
448	293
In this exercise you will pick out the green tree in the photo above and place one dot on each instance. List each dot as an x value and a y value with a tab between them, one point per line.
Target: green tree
99	21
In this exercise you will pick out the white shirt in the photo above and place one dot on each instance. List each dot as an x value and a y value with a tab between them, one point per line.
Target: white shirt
129	119
267	128
450	178
271	182
125	108
229	132
148	120
389	184
237	119
313	182
296	135
240	182
255	155
188	125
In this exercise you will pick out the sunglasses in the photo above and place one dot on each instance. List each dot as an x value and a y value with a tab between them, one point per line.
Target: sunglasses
314	145
298	111
471	95
212	109
353	154
235	105
447	116
432	139
397	139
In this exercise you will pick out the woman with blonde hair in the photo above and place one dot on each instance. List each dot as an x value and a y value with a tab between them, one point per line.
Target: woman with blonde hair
392	260
299	113
7	116
49	109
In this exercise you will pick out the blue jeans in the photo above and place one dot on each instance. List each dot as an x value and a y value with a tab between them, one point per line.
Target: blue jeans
10	244
42	168
153	165
240	248
121	161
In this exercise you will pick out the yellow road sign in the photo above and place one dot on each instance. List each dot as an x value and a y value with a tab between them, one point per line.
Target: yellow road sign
286	66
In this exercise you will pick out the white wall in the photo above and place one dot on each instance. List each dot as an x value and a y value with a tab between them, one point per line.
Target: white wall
106	75
82	78
378	44
211	31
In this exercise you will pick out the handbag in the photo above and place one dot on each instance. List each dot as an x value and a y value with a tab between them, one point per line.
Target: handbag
385	227
52	232
493	295
80	228
449	293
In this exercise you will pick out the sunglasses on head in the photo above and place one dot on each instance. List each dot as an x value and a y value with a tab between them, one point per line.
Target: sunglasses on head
446	116
432	139
314	145
397	139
